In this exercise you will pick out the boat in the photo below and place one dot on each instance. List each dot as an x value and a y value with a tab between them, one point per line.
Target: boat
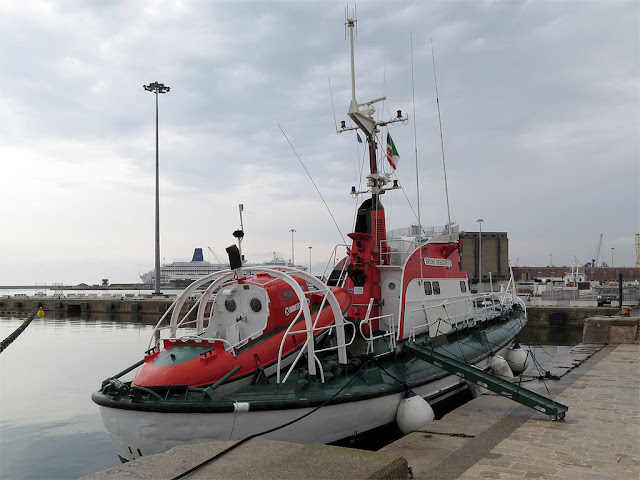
176	273
277	352
183	273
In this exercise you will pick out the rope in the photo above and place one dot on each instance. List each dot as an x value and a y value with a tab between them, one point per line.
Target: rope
7	341
246	439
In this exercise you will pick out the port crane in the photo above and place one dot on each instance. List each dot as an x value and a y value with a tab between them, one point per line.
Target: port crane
216	256
596	255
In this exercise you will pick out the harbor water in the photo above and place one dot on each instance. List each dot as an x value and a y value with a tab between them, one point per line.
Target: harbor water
50	428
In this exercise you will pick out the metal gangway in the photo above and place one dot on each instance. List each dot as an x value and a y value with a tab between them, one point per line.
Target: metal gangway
477	376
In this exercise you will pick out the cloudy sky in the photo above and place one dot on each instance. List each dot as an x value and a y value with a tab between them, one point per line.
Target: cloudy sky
540	116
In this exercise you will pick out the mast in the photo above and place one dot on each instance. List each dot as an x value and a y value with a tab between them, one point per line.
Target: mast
362	116
368	249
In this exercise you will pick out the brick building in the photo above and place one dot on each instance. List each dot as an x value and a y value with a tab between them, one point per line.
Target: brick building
593	274
495	255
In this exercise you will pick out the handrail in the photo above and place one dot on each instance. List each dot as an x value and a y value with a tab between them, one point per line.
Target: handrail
338	322
370	339
387	253
498	302
331	265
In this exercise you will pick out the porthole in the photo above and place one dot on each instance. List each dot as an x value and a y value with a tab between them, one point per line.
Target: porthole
255	304
230	305
392	286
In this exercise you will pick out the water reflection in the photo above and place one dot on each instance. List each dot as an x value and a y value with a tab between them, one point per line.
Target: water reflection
49	426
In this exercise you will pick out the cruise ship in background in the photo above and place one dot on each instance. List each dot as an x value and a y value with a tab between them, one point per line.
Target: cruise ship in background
183	273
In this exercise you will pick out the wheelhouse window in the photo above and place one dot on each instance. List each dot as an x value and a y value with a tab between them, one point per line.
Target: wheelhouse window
427	288
436	288
463	286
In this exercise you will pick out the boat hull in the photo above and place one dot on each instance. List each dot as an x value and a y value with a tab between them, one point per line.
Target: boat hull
135	433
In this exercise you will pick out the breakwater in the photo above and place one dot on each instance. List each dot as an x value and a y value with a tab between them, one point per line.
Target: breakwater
77	304
152	304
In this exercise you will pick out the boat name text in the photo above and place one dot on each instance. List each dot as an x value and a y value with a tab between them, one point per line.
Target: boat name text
438	262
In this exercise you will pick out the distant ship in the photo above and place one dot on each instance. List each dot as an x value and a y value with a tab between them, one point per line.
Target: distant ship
183	273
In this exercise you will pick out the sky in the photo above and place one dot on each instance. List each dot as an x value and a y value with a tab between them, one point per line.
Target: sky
539	103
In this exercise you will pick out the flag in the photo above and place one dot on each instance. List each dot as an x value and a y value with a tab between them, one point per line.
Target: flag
359	139
392	153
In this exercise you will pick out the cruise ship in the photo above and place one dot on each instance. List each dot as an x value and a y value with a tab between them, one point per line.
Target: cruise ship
181	273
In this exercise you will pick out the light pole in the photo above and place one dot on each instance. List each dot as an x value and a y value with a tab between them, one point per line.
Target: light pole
612	249
480	253
550	259
157	88
293	263
309	260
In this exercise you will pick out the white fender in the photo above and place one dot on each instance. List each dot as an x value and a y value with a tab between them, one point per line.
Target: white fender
517	358
413	413
500	367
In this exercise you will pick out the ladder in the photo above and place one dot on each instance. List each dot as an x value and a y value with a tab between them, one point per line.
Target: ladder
486	380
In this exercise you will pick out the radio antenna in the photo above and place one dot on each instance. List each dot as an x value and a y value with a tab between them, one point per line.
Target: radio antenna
444	167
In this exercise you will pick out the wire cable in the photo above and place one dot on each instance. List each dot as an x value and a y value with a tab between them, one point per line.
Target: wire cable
314	184
246	439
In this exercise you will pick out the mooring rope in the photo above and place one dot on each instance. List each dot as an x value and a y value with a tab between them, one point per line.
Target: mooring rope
7	341
246	439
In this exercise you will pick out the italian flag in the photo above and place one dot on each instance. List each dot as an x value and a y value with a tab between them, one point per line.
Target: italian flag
392	153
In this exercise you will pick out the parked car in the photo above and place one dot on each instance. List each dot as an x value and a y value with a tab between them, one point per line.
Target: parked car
607	294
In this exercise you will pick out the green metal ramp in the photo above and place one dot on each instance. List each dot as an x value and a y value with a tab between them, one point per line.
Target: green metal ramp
486	380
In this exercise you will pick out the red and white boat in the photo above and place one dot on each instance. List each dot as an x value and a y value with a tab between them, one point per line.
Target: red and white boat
277	352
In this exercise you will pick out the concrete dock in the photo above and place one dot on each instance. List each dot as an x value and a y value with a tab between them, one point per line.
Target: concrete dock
493	437
489	437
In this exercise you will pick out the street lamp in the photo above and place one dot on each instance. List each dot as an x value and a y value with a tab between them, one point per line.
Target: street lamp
480	253
612	249
551	259
309	260
293	263
157	88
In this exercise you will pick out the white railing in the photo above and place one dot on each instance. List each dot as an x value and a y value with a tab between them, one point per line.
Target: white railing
394	256
478	308
371	338
333	262
447	317
217	279
309	345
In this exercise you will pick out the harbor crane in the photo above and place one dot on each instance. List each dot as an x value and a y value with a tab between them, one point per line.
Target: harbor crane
596	255
216	256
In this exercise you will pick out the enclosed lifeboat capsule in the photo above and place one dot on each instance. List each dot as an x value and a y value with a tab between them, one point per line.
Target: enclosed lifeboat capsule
246	326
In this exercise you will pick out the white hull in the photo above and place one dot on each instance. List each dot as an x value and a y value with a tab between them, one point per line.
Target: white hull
138	433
